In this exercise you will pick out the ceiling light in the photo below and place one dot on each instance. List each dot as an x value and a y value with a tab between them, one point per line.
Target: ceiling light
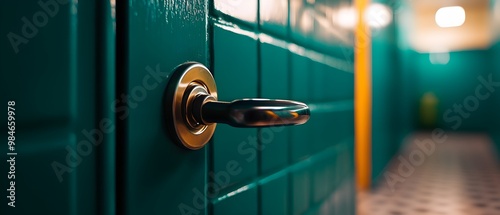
447	17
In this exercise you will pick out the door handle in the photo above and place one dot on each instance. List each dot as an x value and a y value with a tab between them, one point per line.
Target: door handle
250	112
192	109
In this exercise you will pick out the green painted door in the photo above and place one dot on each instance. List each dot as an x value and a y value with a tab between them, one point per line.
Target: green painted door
57	68
91	130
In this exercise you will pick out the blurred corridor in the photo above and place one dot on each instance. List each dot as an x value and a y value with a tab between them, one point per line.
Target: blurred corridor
459	175
436	72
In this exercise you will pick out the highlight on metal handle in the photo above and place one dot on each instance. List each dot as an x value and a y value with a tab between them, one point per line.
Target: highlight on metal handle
250	112
192	109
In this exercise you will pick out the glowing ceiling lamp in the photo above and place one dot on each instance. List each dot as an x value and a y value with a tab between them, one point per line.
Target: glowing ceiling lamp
447	17
378	15
346	17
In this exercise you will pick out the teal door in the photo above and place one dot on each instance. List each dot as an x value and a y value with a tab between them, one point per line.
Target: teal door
91	130
57	67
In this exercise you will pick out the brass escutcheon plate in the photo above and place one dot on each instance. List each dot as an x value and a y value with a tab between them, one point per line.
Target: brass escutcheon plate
188	81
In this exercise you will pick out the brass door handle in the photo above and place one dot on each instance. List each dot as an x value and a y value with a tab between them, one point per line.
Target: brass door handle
193	111
251	112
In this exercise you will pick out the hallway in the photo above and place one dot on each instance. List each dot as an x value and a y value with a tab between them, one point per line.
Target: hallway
250	107
461	176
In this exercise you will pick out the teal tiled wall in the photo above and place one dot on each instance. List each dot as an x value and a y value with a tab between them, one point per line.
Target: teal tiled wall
260	49
385	78
392	93
495	101
452	84
495	56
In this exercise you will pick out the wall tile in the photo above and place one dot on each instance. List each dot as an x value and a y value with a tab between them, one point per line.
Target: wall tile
275	196
301	191
274	85
274	16
235	71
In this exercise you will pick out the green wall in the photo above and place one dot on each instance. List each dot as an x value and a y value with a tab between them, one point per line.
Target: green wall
302	169
384	83
392	107
495	102
453	84
495	59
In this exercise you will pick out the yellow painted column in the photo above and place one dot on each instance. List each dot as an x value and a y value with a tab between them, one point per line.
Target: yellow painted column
362	98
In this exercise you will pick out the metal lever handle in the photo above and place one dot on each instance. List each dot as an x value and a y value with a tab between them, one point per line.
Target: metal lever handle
250	112
193	111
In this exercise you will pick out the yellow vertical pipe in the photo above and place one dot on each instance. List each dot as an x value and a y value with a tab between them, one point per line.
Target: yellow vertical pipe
362	98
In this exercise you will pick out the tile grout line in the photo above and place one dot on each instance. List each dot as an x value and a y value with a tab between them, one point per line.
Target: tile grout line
259	94
289	197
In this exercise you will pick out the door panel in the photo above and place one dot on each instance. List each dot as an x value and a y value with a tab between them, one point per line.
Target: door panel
156	176
60	83
35	110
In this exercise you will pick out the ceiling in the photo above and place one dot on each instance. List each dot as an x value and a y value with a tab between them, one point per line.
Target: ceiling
426	36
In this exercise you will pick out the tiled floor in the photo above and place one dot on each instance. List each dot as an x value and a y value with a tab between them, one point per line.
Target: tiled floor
460	176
